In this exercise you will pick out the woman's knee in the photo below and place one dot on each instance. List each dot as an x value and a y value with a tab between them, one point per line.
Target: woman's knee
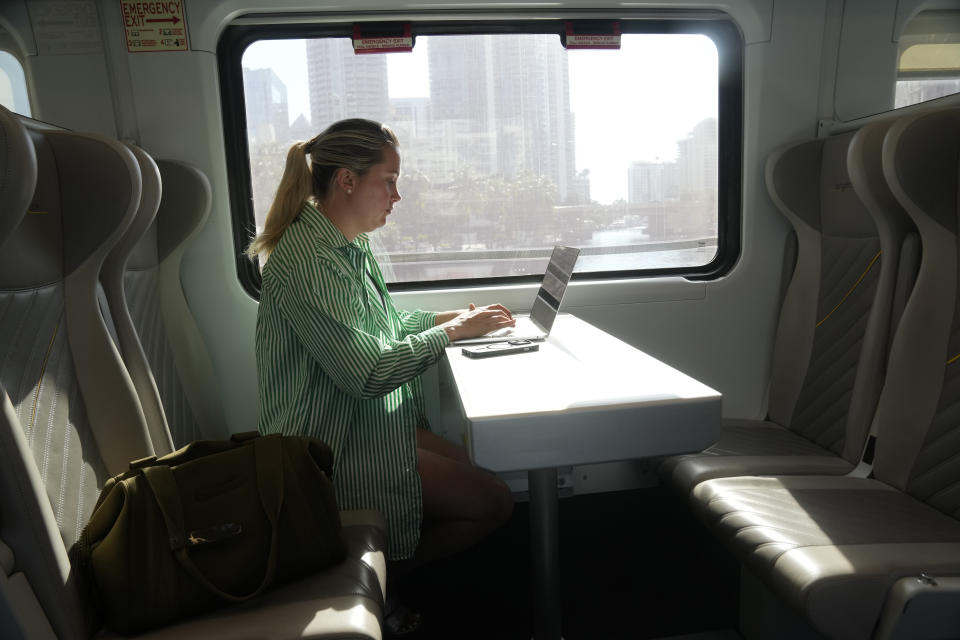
460	491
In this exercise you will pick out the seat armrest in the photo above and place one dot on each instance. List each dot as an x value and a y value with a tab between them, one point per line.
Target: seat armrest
366	534
921	607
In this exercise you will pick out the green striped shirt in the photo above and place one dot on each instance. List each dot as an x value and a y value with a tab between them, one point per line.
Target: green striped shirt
336	360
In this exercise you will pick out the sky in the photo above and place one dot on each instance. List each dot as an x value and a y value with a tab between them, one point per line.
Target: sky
629	105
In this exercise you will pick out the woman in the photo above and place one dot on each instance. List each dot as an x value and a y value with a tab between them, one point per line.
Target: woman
337	360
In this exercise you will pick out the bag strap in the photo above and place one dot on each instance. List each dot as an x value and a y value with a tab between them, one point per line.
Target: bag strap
269	468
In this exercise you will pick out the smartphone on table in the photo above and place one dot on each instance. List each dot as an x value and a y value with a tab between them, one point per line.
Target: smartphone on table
500	348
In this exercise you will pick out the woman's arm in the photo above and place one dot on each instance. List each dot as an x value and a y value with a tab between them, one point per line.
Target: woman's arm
461	323
415	321
447	316
328	316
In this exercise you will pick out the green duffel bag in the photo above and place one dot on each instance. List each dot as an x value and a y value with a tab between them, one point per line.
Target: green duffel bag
213	523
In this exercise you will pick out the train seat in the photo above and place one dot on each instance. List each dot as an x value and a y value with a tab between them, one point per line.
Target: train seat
154	287
117	314
142	283
70	417
59	372
836	549
18	179
834	326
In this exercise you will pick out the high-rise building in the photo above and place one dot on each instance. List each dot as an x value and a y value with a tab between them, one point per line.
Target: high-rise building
301	129
697	161
645	182
513	93
428	145
266	101
413	110
344	84
580	188
693	176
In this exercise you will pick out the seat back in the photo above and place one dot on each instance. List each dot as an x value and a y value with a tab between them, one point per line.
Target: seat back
69	417
20	613
113	277
161	314
18	172
918	430
900	244
834	320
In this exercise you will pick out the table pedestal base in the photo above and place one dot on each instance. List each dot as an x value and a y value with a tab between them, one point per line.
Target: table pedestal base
545	552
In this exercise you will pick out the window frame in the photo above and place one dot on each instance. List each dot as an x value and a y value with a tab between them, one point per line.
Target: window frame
720	28
929	27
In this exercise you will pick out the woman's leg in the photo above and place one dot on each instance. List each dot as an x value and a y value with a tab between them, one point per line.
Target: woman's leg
462	504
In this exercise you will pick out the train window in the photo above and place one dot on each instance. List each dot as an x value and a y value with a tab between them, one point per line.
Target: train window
929	58
13	85
511	143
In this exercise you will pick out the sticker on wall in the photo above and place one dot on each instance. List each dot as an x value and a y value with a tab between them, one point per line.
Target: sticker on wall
382	38
591	34
154	26
65	26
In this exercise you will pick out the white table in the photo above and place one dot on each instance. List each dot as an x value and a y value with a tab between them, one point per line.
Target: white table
585	397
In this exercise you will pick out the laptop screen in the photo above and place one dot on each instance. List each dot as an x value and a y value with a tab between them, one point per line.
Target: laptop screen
555	280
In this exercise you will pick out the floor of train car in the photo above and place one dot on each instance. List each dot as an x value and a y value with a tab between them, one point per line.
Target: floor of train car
633	564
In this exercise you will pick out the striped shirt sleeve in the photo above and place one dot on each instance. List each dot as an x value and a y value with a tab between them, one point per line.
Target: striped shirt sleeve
327	314
416	321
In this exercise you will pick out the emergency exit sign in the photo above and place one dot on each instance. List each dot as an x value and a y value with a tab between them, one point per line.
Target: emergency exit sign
154	26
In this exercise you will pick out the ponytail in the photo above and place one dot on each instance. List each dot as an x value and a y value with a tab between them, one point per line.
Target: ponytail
296	187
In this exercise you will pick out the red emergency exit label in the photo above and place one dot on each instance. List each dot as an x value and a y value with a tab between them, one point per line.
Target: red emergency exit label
370	39
588	36
154	26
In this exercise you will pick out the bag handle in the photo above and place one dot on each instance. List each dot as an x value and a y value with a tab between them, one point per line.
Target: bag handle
269	467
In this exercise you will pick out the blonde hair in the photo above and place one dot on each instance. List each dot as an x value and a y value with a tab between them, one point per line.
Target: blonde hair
355	144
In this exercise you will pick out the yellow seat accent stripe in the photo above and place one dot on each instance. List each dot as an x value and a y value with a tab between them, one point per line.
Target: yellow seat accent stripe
855	285
950	361
43	368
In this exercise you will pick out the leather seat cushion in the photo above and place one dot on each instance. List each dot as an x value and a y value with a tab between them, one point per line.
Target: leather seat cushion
345	601
830	546
752	448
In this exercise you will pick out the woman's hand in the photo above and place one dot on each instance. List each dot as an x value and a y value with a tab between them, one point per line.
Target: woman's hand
475	321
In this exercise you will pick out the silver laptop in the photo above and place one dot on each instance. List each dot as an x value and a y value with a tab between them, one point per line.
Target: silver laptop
546	306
